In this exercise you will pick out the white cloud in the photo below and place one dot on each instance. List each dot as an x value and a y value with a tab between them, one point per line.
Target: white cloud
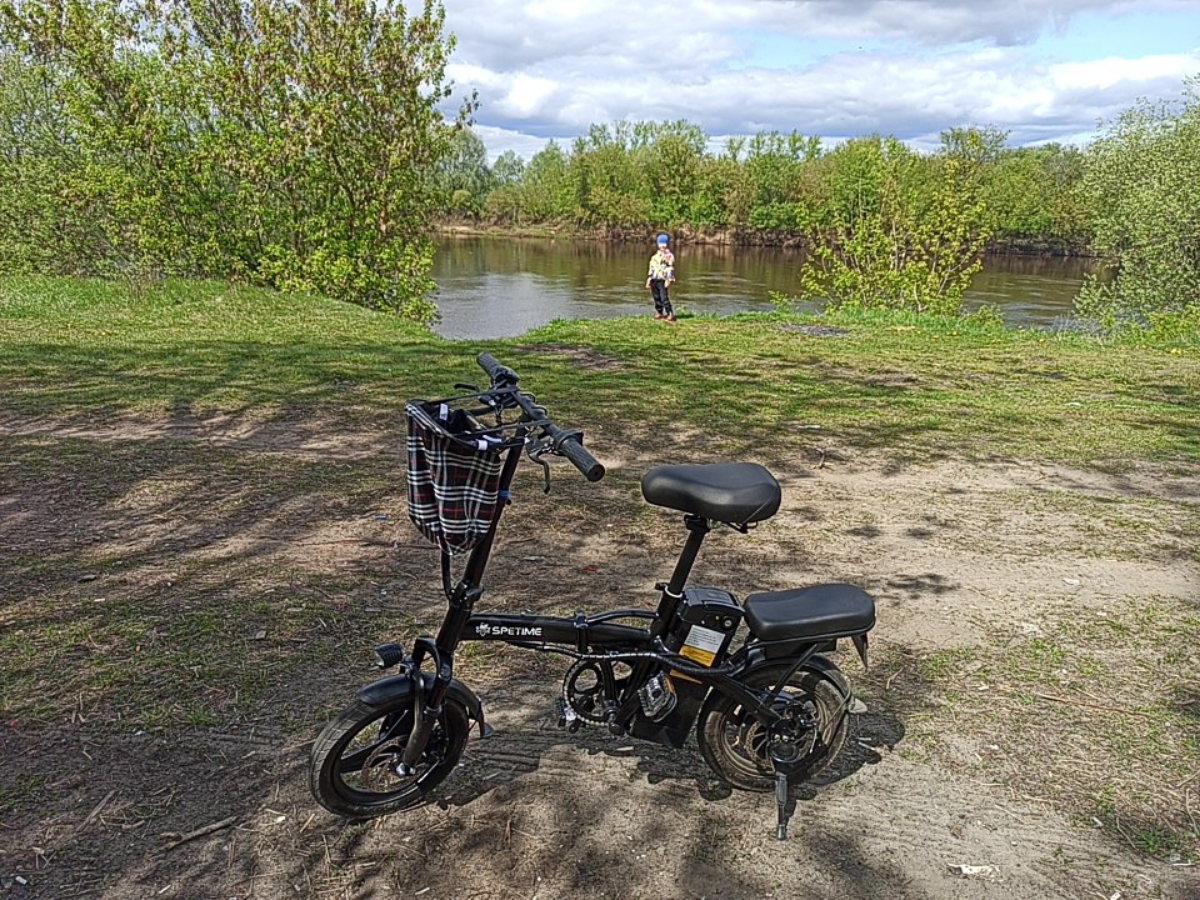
1103	74
551	69
527	96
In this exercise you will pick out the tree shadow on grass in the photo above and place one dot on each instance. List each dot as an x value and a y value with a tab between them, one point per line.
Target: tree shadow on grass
222	640
151	680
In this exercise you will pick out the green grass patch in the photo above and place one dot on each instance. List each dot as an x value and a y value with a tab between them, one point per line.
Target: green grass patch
897	384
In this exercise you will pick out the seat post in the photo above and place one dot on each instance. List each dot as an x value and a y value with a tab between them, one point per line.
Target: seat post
697	527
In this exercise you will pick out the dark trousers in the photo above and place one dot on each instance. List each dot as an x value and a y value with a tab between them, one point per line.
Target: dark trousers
662	302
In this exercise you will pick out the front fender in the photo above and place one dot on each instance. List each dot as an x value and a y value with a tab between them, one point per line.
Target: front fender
397	687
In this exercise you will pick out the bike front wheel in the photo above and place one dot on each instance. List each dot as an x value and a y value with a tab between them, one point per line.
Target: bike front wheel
735	744
355	760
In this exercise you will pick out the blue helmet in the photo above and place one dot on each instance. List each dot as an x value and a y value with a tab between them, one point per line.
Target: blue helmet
664	239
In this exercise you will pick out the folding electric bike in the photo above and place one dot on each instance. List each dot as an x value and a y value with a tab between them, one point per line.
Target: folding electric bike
770	711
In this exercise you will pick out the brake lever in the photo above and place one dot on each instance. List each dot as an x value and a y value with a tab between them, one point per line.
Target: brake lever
535	452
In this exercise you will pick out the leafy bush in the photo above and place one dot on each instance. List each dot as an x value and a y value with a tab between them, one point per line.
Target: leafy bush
287	142
1143	181
899	233
56	215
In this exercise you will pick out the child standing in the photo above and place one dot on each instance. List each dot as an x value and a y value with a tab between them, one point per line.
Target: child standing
662	273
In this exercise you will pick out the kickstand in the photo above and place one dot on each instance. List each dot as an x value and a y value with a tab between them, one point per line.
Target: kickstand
785	756
781	798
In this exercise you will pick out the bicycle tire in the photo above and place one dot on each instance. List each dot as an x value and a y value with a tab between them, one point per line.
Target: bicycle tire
734	744
338	780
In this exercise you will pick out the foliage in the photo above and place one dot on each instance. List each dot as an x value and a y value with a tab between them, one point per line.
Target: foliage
1143	181
783	304
542	194
607	184
1035	192
509	169
900	234
671	161
462	177
287	142
54	214
776	168
643	175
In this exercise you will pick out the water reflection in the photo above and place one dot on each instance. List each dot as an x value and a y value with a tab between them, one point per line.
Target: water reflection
502	287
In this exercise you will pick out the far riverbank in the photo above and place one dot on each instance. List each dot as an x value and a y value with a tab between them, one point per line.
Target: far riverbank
1017	246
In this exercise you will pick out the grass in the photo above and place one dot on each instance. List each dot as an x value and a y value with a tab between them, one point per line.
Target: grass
135	592
901	385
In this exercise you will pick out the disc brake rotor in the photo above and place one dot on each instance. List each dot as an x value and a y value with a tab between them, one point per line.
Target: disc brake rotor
376	770
752	738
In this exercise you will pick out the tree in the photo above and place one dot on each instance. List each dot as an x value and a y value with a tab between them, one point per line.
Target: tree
1142	179
463	177
671	161
776	165
289	141
547	184
508	169
1033	192
506	202
49	219
609	185
904	232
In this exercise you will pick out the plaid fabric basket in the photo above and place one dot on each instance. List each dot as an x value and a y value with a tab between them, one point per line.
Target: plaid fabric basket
453	476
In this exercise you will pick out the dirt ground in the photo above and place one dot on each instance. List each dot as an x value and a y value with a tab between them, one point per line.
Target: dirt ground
186	602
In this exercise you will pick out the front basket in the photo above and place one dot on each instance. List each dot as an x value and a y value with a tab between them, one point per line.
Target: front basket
454	466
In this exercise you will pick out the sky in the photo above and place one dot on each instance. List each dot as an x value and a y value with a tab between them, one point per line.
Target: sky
1043	70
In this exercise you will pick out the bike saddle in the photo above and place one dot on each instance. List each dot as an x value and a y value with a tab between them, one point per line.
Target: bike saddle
811	613
737	493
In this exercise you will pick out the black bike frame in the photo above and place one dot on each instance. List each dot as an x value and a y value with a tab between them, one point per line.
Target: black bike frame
584	635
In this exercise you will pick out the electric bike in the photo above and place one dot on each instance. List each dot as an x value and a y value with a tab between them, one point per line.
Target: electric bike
766	711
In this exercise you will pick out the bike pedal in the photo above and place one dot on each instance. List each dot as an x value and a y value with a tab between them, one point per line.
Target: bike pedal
567	717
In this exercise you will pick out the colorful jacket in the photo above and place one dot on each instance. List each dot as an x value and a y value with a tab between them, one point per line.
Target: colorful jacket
662	266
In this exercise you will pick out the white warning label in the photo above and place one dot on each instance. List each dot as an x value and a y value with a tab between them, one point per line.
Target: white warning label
702	645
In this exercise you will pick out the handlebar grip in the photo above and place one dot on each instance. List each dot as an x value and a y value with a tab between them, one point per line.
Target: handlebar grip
502	376
581	459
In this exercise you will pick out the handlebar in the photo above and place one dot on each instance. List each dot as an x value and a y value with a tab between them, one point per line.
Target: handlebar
565	442
502	376
570	445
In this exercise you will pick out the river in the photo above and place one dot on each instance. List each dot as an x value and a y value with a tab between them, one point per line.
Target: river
502	287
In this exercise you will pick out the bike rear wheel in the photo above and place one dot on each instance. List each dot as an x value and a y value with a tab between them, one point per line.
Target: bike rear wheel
354	760
734	743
